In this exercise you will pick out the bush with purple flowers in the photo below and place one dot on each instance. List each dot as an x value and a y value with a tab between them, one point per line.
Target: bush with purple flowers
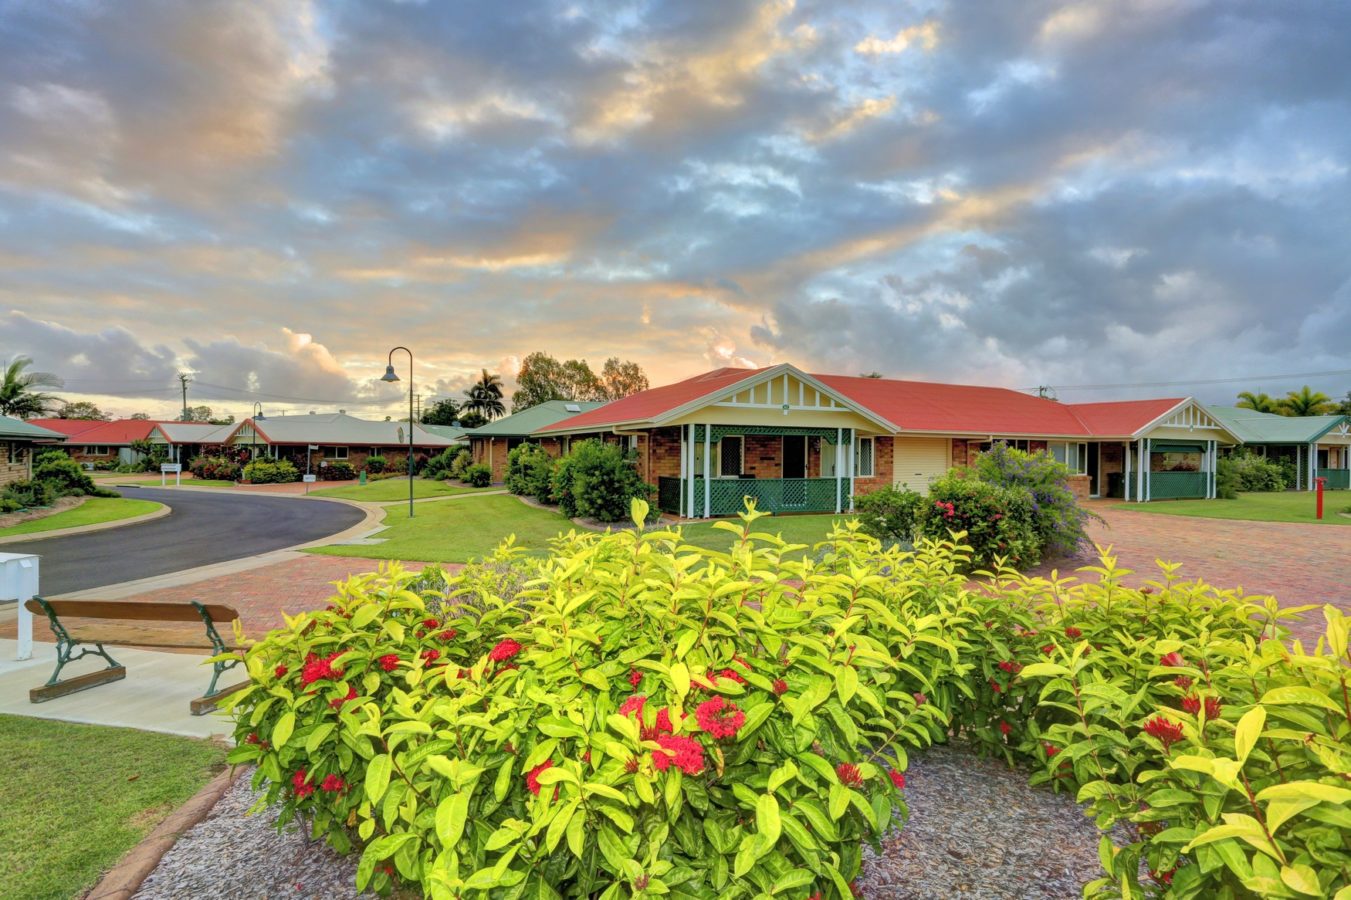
1059	520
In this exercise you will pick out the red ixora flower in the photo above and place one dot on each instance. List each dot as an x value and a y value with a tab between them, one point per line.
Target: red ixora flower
532	777
1073	633
849	774
780	687
389	662
1048	649
732	674
686	752
994	686
663	726
1183	682
1012	666
338	702
430	656
720	718
631	765
1165	731
920	698
633	705
333	784
298	783
504	651
1051	750
1192	704
635	677
897	778
448	635
429	624
281	671
1005	728
317	668
1173	660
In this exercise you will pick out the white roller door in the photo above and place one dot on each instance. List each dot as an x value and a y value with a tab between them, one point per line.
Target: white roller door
918	461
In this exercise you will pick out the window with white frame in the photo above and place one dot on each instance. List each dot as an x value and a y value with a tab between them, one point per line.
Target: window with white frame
97	450
15	452
731	456
335	452
863	457
1074	455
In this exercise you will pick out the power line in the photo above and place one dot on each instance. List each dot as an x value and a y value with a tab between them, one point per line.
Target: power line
1190	381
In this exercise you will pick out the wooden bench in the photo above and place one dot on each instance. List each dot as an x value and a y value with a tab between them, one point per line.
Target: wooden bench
114	628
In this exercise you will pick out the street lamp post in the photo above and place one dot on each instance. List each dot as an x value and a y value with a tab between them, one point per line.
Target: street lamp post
253	427
391	377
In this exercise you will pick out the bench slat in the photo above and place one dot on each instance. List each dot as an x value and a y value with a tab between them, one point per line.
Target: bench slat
139	636
134	611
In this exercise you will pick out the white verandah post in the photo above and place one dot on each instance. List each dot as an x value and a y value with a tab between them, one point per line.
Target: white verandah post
690	445
1140	471
839	442
853	464
708	480
680	501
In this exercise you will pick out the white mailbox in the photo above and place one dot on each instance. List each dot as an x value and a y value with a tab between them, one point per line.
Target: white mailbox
19	582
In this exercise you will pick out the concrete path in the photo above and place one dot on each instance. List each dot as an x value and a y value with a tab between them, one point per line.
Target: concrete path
154	696
205	527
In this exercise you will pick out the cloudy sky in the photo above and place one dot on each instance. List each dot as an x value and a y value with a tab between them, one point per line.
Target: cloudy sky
271	193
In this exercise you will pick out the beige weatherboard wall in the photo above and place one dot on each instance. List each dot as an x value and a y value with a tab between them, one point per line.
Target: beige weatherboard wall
918	461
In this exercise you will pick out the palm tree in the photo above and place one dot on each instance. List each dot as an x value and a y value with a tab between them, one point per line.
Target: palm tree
1306	403
1259	402
19	394
486	396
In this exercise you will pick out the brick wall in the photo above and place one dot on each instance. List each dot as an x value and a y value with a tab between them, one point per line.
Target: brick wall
665	455
18	470
963	452
1079	485
883	468
762	456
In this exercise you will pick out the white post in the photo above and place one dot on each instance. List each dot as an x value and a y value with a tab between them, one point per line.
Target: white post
19	580
1148	468
691	446
853	464
1126	480
1140	465
680	503
839	442
1313	463
708	481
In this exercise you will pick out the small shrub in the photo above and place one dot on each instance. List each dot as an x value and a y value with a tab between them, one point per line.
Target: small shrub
462	460
106	465
9	504
1058	519
214	468
1227	480
271	471
477	476
890	514
337	471
597	480
439	465
28	494
375	464
65	477
997	520
529	467
1254	473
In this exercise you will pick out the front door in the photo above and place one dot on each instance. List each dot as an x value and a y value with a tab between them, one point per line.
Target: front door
795	456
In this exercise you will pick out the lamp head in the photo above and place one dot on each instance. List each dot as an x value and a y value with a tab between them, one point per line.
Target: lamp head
389	374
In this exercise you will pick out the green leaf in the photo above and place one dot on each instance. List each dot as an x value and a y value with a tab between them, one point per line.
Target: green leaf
624	725
846	683
594	678
767	820
365	615
1248	730
577	835
559	825
1300	877
281	732
377	776
1298	695
680	679
1043	670
317	737
451	814
1300	790
502	784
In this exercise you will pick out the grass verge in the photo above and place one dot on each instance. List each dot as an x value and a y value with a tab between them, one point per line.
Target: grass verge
393	489
91	512
472	528
1283	506
78	797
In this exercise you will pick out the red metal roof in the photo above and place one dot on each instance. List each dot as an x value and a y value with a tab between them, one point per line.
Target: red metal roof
85	431
918	406
1121	418
654	402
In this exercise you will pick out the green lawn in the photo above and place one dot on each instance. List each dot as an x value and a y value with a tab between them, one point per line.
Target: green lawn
196	482
471	528
388	489
78	797
1284	506
90	512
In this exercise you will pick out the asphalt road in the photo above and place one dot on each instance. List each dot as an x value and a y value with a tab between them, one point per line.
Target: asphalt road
204	528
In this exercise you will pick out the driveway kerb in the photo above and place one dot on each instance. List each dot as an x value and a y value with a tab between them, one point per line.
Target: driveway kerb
85	529
371	524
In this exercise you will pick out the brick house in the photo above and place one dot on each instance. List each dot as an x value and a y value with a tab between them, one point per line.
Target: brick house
19	440
799	442
491	443
312	441
1317	446
90	441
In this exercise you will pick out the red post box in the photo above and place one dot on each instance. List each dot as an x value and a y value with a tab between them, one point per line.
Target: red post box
1318	486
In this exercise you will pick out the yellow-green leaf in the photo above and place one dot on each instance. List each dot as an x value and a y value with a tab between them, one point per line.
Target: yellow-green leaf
317	737
1248	730
451	814
680	679
1300	877
846	683
281	733
767	820
1303	696
377	776
1299	790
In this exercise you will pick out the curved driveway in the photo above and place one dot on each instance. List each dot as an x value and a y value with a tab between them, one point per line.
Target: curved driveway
203	528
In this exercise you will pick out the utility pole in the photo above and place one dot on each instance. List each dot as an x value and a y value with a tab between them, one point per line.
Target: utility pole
184	381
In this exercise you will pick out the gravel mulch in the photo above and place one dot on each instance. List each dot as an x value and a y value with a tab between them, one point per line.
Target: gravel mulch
977	831
233	856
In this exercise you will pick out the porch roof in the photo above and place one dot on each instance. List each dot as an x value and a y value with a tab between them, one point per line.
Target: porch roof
18	428
1255	427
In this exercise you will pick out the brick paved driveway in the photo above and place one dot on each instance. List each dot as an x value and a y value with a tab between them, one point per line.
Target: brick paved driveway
1299	564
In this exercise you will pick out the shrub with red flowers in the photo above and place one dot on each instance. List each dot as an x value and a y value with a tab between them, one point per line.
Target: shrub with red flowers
522	759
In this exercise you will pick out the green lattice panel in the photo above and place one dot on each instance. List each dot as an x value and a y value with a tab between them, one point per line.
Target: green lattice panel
668	494
1338	479
829	435
1176	485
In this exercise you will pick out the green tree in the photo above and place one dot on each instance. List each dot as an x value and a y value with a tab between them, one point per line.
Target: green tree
472	419
540	380
1259	402
443	412
485	397
20	391
141	417
1305	402
1345	406
620	379
83	409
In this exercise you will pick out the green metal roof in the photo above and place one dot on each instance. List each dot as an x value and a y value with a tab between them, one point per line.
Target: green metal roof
450	432
528	421
1253	427
18	428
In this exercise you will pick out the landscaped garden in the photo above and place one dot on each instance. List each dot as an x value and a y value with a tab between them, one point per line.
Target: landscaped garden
635	715
77	797
391	489
1283	506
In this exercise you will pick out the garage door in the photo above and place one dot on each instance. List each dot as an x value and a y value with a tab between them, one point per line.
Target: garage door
918	461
